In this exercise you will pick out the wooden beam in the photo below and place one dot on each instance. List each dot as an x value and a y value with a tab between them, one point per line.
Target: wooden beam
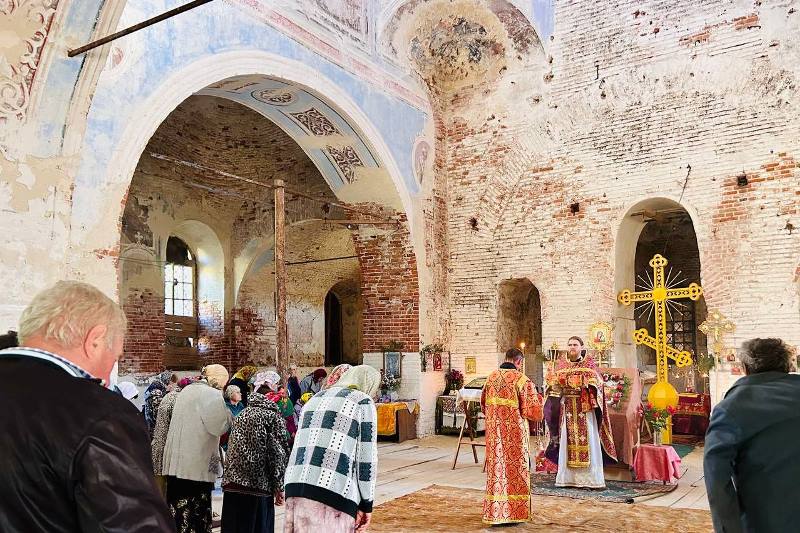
375	217
136	27
281	331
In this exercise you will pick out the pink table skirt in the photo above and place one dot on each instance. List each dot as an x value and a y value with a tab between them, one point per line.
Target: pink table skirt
656	463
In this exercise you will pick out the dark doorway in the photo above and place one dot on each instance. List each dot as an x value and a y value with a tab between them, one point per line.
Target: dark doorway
670	232
333	330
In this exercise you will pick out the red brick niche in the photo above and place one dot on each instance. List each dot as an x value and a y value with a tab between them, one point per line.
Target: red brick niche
144	341
389	288
143	351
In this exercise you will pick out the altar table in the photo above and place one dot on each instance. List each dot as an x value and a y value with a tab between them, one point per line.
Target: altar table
656	463
692	414
398	419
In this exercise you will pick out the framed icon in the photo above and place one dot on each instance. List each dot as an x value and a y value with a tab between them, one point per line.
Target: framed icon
470	365
391	363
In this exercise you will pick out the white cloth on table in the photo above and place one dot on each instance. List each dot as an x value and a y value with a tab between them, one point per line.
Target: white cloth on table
469	395
591	477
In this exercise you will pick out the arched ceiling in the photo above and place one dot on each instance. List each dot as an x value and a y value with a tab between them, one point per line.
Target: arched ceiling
328	140
207	141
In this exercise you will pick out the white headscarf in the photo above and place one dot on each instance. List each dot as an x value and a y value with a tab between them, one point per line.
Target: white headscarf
128	390
269	378
363	378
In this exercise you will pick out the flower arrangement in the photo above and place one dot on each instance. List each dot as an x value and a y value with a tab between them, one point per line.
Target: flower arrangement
389	382
617	388
656	418
455	377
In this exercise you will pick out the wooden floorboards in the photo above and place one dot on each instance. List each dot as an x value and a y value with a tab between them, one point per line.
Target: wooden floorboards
409	466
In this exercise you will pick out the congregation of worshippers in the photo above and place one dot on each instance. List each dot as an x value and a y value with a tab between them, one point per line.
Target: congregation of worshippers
309	441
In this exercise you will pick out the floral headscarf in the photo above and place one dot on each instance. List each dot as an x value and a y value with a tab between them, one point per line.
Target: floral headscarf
336	374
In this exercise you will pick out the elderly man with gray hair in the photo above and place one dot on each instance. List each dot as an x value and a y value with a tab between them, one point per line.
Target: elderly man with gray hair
750	464
75	455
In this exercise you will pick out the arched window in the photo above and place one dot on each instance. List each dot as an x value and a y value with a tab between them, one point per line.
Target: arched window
179	279
180	306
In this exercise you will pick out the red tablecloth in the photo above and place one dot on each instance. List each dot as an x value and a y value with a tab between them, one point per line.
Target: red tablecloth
656	463
625	419
691	417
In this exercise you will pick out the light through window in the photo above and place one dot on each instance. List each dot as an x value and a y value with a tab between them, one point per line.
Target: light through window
179	279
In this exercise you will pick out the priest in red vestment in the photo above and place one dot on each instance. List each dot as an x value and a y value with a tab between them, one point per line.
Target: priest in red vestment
586	442
509	400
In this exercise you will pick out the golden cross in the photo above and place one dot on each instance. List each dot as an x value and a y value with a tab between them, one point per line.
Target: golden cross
715	327
659	296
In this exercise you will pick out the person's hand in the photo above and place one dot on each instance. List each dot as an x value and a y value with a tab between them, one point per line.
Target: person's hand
362	521
278	498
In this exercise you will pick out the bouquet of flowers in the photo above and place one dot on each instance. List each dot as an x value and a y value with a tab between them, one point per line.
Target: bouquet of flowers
617	387
390	382
455	377
656	418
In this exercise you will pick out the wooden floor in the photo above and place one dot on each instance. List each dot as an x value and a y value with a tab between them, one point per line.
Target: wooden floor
413	465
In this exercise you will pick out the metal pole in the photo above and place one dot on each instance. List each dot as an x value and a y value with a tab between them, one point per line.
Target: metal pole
136	27
281	330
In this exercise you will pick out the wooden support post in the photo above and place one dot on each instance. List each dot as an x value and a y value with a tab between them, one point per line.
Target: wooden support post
281	331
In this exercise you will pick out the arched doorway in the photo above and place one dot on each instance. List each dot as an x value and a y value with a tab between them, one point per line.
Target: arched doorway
519	323
659	226
333	330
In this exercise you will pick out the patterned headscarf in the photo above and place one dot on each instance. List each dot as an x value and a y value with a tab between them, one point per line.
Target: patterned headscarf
269	378
363	378
245	373
336	374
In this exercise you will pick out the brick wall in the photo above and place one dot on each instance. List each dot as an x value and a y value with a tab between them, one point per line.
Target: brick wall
389	288
144	341
670	100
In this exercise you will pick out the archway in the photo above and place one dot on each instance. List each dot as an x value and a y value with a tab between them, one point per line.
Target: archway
658	226
519	323
356	169
322	259
334	329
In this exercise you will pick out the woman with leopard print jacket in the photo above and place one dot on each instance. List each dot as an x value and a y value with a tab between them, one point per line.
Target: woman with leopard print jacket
258	452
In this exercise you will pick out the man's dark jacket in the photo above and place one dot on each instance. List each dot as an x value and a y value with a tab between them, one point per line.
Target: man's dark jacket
74	456
751	461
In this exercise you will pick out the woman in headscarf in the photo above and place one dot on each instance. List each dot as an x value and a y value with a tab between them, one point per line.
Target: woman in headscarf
270	378
335	495
281	399
313	381
335	374
191	453
242	380
293	384
163	418
152	398
256	463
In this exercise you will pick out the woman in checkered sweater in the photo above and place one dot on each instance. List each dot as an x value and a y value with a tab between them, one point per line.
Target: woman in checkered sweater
330	480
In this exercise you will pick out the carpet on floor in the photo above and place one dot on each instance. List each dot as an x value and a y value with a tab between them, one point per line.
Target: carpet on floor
682	449
438	508
615	491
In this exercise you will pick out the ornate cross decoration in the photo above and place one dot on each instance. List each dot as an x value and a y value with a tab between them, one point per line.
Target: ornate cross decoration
715	327
660	294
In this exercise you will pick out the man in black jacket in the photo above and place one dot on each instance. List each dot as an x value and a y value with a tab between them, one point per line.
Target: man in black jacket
74	455
751	463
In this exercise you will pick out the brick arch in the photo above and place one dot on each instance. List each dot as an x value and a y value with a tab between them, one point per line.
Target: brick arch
95	245
629	230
